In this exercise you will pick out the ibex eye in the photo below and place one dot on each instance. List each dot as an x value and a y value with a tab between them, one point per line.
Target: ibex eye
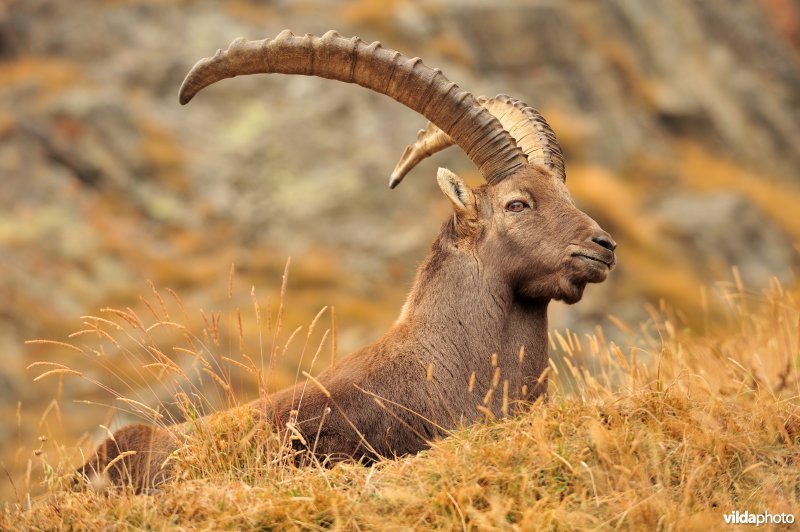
516	206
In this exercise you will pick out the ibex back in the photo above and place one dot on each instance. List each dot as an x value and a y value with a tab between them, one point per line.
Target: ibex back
471	339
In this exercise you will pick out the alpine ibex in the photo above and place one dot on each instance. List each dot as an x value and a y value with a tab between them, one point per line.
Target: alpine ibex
471	339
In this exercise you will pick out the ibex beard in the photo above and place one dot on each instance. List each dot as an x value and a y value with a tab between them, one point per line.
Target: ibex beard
471	339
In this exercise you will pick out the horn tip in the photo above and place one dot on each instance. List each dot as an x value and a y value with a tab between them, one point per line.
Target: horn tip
185	95
395	180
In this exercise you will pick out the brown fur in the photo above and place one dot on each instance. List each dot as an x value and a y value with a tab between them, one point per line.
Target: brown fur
145	468
481	294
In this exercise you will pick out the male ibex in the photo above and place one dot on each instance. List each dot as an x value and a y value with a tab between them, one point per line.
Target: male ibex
471	339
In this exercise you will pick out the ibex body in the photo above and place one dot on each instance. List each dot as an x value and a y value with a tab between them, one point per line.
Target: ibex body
471	339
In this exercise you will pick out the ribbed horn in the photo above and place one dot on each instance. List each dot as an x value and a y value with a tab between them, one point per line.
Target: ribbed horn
409	81
530	130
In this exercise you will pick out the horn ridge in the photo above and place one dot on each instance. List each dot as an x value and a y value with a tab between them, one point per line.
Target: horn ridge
406	80
531	133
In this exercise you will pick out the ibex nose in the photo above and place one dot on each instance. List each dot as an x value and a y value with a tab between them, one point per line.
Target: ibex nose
604	240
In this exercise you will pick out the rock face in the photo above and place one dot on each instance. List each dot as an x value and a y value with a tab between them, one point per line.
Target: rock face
724	229
723	76
680	123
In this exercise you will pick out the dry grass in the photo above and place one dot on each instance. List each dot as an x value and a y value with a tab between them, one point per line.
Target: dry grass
668	432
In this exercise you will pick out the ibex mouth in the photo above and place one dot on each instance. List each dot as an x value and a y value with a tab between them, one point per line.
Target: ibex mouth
607	261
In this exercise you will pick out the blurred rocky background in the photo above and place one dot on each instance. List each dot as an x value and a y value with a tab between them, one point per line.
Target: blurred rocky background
680	123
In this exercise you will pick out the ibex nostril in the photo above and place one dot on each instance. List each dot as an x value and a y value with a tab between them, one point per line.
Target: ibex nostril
604	241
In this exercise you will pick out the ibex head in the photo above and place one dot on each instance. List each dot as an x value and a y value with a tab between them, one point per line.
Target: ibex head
526	229
522	222
525	225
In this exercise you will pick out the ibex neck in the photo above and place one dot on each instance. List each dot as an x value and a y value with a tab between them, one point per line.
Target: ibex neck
465	317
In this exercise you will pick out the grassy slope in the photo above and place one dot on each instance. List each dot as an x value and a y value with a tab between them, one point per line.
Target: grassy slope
669	434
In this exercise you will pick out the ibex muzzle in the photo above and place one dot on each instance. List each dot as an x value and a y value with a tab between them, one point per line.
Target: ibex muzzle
471	340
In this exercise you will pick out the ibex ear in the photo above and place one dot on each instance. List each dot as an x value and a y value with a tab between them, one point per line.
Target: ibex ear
460	195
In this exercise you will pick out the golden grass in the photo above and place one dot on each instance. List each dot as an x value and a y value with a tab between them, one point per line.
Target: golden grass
668	429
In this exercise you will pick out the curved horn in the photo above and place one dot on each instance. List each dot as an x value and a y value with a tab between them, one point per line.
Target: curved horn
530	130
429	141
408	81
